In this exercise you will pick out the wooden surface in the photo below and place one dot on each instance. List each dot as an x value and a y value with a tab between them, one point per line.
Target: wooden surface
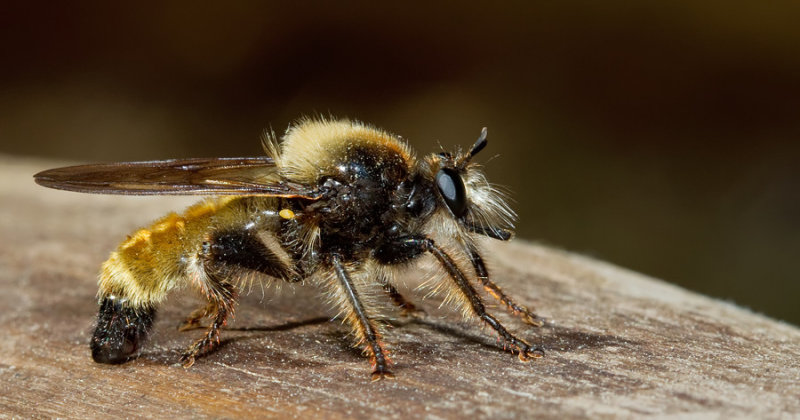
618	343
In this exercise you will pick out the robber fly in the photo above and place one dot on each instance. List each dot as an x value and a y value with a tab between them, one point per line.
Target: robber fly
337	203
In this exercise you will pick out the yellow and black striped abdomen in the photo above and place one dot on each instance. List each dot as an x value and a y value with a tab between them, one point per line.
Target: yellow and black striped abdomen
154	260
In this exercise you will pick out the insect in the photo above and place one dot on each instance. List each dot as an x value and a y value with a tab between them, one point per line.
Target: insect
338	203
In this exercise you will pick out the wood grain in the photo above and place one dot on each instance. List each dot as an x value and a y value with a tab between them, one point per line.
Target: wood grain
618	343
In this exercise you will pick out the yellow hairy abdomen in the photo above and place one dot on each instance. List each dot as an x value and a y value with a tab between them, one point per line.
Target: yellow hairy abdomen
153	260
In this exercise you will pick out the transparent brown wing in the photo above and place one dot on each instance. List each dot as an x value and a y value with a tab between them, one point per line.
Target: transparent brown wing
202	176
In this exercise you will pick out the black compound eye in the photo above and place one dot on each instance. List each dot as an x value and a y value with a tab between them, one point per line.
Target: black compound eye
453	191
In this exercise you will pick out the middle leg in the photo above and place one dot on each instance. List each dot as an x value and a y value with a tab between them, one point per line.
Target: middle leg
366	330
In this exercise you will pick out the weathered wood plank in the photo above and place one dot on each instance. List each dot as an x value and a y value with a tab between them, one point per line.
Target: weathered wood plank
618	343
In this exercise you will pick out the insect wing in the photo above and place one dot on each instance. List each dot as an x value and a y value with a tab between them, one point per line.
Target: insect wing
201	176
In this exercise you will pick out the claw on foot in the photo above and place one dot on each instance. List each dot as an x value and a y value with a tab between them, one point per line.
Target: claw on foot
530	353
378	375
532	319
187	360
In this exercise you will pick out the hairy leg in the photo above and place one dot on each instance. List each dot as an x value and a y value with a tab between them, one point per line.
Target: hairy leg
401	302
365	329
222	299
228	255
194	319
493	289
406	248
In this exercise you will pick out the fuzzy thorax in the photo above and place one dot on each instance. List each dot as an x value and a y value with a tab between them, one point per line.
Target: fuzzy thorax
309	147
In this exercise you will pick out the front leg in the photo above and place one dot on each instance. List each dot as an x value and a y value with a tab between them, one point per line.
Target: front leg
493	289
406	248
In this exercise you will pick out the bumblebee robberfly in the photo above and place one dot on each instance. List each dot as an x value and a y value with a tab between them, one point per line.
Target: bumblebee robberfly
337	203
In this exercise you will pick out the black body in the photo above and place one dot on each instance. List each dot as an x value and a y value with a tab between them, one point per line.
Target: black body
365	204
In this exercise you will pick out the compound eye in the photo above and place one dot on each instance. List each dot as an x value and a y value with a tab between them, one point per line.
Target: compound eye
453	191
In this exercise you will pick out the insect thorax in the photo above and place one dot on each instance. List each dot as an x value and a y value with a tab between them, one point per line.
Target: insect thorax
364	188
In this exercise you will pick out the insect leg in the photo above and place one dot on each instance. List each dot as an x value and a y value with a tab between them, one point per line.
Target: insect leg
193	320
365	328
483	275
398	299
409	247
225	257
229	254
222	298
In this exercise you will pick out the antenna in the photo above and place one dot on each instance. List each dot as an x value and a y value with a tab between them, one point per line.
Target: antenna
480	143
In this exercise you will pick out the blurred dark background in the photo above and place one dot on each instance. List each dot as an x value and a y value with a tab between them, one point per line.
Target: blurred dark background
660	136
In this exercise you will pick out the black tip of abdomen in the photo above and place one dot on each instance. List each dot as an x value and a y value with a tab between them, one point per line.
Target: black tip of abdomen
120	331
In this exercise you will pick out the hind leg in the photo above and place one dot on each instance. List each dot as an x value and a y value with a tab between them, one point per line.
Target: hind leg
226	256
194	319
222	299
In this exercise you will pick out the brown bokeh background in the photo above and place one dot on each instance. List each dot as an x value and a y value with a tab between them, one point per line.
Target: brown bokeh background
659	136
